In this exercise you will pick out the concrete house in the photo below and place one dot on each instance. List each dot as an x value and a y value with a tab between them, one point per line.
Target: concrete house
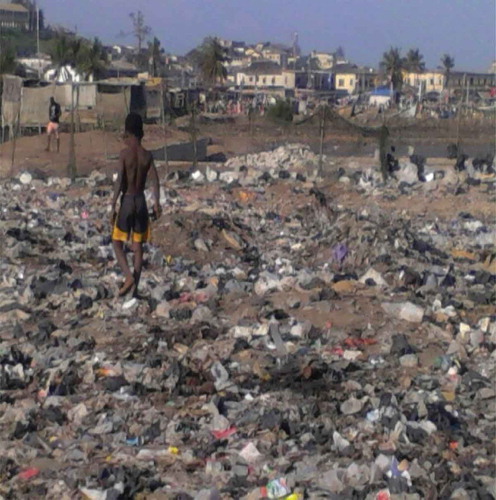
14	16
431	80
266	75
353	79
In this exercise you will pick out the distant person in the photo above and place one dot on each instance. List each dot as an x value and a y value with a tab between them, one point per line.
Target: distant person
132	222
54	113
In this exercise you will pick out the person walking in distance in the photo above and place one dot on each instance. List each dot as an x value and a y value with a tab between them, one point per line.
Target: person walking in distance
54	113
132	222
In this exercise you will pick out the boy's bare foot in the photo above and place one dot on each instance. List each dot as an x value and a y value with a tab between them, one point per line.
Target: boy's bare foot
126	287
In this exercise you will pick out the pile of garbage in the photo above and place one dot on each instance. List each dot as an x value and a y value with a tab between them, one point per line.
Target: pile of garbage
284	346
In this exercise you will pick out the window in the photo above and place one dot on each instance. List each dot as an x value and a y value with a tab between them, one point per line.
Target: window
273	80
352	82
432	81
471	81
251	79
341	82
264	81
285	80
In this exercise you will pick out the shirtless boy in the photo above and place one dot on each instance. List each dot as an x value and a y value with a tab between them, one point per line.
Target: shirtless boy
131	223
54	113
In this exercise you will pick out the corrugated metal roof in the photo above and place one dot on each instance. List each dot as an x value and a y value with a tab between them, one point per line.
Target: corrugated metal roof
12	7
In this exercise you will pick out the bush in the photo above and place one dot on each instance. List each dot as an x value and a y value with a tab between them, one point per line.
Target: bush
281	110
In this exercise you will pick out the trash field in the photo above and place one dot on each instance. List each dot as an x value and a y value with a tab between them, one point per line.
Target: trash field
287	343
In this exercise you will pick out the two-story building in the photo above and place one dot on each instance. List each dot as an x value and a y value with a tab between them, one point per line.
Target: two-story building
461	80
266	75
14	16
354	79
429	80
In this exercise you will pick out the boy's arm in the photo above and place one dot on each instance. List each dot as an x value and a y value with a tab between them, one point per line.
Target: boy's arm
155	187
118	185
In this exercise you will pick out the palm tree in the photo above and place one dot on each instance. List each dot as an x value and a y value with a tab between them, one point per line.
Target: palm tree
62	52
91	59
393	63
413	61
211	59
448	63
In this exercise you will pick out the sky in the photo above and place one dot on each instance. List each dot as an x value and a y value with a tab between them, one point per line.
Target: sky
465	29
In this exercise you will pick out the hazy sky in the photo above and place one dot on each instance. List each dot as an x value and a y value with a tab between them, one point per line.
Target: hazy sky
465	29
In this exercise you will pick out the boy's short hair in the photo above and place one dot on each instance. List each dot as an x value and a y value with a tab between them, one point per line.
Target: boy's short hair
134	125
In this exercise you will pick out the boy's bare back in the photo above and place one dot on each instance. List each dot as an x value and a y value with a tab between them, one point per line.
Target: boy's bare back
136	163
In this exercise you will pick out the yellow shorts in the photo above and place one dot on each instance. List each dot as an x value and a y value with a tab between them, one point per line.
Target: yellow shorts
132	223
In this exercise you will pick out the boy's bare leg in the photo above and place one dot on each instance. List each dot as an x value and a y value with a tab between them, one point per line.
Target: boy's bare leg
122	261
138	264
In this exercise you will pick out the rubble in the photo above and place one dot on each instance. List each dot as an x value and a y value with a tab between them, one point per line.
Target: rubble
284	345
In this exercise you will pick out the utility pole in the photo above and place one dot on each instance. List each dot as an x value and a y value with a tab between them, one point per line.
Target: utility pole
38	39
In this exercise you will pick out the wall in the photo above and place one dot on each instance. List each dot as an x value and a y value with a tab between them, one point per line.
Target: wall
431	81
183	151
346	81
286	79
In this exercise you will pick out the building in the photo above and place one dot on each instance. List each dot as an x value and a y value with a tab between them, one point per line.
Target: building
461	80
354	79
276	53
14	16
431	81
266	75
326	60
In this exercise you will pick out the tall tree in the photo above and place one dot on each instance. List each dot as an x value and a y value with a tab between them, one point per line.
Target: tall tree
392	63
62	52
140	30
211	58
155	55
414	61
448	63
7	58
92	59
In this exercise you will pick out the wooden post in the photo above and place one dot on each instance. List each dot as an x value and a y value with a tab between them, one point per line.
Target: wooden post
459	119
322	134
193	134
162	114
14	141
71	167
383	137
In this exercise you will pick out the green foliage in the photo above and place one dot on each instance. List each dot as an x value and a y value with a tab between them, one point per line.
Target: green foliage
155	55
392	63
413	61
448	63
210	58
89	58
7	58
92	59
280	111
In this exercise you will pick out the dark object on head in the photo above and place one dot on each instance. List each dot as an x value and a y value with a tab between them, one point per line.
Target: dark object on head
52	100
134	125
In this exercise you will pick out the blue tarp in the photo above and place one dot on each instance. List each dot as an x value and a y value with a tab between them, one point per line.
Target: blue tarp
384	90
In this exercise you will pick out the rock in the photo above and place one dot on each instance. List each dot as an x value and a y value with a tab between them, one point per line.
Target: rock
404	310
351	406
373	275
408	173
409	361
25	178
